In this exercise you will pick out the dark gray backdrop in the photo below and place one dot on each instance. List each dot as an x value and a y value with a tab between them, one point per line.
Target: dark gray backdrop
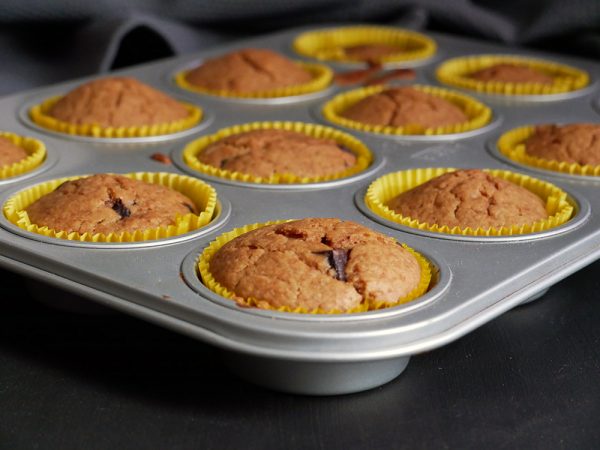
43	41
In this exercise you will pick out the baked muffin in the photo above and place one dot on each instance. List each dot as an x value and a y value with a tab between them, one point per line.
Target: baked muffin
574	143
403	106
117	102
325	264
248	70
107	203
10	153
470	198
263	153
370	52
512	73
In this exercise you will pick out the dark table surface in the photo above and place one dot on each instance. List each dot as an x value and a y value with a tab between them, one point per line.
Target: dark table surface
529	379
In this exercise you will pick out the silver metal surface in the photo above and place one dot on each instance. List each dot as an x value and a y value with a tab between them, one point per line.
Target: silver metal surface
535	297
477	281
299	377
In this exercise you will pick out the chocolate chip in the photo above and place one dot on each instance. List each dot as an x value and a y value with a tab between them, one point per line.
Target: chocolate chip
223	162
120	208
338	258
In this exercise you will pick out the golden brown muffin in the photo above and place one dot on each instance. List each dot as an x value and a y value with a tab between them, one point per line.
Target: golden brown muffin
405	106
470	198
370	52
10	153
575	143
316	263
106	203
117	102
248	70
512	73
263	153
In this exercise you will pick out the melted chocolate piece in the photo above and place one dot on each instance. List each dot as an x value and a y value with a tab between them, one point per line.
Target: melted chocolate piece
120	208
338	258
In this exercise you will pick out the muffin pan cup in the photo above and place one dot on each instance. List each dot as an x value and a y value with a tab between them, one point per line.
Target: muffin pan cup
476	278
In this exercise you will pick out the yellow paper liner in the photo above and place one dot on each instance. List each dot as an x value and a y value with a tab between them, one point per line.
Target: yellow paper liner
39	115
328	45
478	114
321	79
385	188
36	154
512	145
203	266
456	71
202	194
362	153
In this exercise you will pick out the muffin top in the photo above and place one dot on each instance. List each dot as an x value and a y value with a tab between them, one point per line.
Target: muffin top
315	263
369	52
574	143
263	153
512	73
470	198
405	106
10	153
117	102
107	203
248	70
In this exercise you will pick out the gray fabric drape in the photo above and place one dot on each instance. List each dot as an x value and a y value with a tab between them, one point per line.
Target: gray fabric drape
48	41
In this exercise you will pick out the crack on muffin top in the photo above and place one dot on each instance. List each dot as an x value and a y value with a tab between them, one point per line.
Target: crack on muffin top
117	102
315	263
573	143
106	203
405	106
470	198
263	153
248	70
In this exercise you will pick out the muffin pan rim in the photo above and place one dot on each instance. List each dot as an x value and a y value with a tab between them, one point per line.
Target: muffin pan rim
23	115
169	78
50	161
492	148
581	214
464	306
377	164
495	122
441	270
593	84
222	214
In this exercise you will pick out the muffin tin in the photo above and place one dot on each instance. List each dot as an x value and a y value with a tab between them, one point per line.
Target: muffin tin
475	278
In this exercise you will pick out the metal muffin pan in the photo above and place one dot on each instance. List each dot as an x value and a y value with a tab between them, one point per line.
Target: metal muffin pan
477	279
